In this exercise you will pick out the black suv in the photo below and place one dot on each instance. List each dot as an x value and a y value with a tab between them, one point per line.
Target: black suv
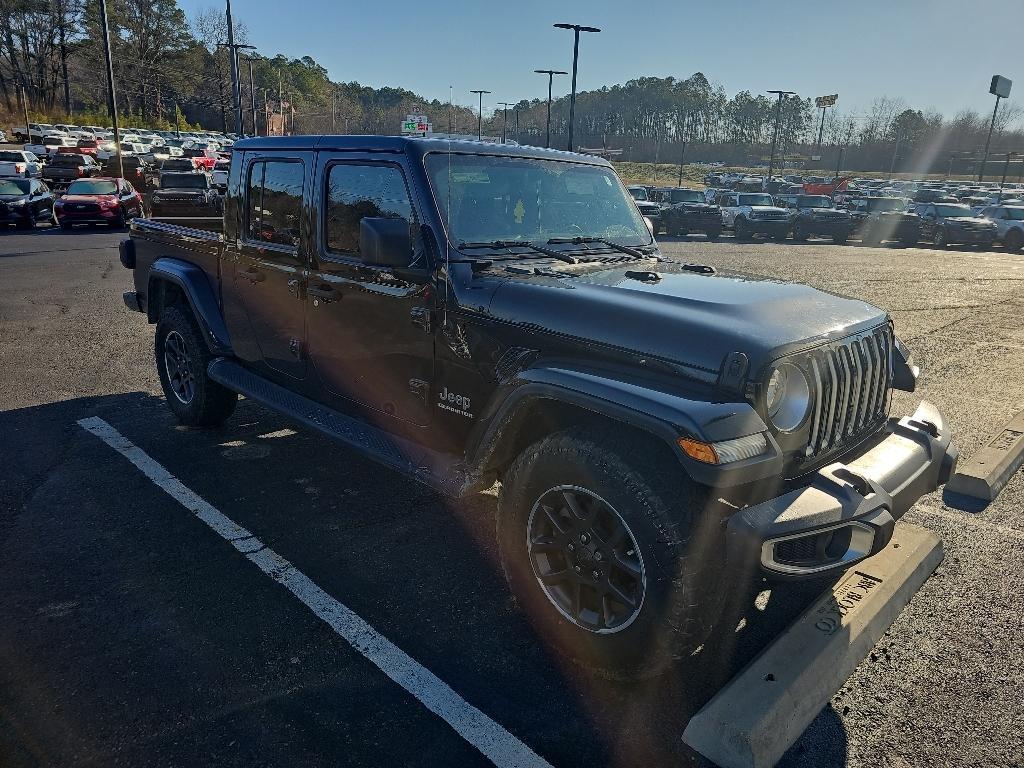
686	210
876	219
816	215
664	434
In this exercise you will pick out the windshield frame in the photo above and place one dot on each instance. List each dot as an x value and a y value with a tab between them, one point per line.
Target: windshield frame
440	207
172	175
963	210
83	182
741	195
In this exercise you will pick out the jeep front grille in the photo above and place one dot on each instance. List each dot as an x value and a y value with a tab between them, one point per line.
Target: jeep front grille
850	386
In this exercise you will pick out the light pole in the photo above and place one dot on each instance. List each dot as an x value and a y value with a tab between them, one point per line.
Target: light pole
895	153
551	76
1006	167
236	85
110	88
682	151
252	98
504	118
576	28
480	115
775	134
1000	88
236	88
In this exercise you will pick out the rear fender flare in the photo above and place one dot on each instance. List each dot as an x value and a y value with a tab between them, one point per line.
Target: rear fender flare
202	299
667	417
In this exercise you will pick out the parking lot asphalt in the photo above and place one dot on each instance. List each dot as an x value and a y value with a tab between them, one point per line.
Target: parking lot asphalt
130	633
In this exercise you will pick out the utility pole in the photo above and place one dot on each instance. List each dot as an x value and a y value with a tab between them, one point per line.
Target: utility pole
480	115
24	107
576	28
252	98
280	99
551	75
895	152
64	57
504	119
334	112
236	91
1006	167
682	151
110	89
775	135
177	122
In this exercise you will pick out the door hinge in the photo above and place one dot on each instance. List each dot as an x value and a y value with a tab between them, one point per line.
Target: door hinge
421	389
422	318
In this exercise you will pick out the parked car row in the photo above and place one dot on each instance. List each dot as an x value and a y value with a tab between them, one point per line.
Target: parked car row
873	219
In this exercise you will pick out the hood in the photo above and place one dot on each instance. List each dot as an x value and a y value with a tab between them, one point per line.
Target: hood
968	220
12	198
84	198
687	318
646	205
767	209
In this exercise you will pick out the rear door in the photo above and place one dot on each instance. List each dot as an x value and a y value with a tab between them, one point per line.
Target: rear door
268	275
370	329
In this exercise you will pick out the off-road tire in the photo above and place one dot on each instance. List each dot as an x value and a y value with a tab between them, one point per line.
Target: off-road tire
741	230
1014	240
680	544
713	234
840	239
800	235
211	404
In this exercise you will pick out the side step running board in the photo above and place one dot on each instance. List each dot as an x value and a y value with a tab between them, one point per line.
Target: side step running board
442	472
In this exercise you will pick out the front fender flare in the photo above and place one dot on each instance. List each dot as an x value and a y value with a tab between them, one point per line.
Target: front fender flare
195	285
664	415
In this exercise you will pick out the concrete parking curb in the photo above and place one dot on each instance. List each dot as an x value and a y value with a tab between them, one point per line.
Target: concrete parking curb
762	711
985	474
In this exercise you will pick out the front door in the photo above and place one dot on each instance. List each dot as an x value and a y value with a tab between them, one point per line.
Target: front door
268	279
370	330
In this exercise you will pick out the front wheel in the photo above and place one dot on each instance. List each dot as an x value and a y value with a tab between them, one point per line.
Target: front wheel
713	234
1014	240
609	551
939	239
181	360
741	231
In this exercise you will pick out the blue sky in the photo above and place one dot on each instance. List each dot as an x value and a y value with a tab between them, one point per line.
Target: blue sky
937	54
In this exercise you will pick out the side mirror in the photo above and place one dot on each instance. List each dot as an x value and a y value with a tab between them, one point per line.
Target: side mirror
385	242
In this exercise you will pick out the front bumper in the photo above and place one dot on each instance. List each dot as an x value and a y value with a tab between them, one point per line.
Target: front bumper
845	512
971	236
15	214
768	226
825	226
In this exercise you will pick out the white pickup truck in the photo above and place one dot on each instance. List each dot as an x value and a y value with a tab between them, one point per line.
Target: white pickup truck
18	162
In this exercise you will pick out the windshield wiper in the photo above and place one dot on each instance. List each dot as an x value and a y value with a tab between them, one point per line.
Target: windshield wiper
521	244
616	246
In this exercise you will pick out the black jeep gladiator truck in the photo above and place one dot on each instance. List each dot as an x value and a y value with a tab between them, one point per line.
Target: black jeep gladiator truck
663	433
686	210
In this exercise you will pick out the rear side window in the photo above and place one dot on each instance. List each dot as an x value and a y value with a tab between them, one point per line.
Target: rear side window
357	191
274	201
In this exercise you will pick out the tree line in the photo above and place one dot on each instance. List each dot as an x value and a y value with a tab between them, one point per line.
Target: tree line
173	70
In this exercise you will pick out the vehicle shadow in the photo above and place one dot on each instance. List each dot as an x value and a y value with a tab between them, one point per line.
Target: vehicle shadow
420	568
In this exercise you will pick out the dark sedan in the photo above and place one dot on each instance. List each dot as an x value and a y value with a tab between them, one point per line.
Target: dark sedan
24	202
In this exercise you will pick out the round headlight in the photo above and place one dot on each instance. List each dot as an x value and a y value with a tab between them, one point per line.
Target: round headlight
787	397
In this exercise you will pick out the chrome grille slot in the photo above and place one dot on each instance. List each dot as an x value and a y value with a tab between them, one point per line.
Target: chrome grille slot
849	383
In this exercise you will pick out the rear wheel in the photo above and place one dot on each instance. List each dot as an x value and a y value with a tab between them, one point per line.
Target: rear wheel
609	551
713	234
840	238
1014	240
29	222
181	360
800	234
741	229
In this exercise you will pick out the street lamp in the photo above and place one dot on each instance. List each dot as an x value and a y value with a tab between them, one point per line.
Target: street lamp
576	28
1000	88
551	76
480	115
504	118
775	135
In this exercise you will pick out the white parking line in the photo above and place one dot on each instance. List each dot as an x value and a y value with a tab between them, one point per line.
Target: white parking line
498	745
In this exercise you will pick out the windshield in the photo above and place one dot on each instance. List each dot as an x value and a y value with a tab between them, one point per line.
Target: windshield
686	196
14	187
755	199
813	201
530	199
953	210
885	204
638	193
12	157
183	181
1014	214
92	187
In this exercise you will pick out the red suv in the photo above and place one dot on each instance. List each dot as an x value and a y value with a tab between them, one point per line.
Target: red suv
98	201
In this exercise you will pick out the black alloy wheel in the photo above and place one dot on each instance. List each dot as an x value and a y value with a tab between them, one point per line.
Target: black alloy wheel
586	559
178	365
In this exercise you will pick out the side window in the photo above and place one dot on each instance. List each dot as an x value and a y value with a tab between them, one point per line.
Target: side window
274	201
358	191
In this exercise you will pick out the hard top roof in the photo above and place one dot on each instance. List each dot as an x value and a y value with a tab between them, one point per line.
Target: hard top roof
405	144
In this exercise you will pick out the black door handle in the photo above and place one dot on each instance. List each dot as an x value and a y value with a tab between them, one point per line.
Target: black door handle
253	275
325	292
